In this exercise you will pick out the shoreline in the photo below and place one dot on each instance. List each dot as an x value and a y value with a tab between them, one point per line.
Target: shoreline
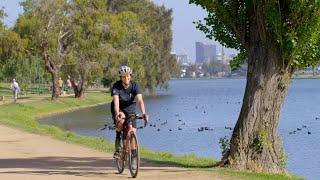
73	109
237	77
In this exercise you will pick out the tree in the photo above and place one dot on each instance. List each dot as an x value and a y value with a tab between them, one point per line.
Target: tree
130	42
45	24
277	37
12	55
2	30
155	66
88	41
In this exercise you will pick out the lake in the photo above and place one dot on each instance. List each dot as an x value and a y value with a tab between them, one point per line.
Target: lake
176	115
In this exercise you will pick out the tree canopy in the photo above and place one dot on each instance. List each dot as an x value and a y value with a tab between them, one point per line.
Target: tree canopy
289	25
89	40
157	64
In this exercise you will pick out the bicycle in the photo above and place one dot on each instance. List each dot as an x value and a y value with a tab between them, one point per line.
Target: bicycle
129	142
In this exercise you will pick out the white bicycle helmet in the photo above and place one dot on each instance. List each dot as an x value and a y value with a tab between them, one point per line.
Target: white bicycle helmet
124	70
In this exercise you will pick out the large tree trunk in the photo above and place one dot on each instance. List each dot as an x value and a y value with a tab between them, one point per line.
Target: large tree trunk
255	144
79	89
55	87
314	69
52	68
82	89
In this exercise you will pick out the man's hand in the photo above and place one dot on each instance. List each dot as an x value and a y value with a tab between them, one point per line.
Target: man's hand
120	121
145	118
121	116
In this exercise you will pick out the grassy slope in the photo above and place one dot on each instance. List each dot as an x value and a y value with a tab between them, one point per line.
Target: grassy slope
21	115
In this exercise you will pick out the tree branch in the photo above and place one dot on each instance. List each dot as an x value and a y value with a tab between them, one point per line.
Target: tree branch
230	13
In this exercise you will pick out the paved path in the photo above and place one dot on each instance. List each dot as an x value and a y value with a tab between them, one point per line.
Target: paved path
29	156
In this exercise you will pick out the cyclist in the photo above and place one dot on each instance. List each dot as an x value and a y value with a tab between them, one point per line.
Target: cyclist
125	94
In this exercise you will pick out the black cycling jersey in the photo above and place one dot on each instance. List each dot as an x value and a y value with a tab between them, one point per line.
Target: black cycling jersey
127	96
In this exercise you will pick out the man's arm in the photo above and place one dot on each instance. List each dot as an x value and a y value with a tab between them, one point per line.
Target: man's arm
140	103
116	105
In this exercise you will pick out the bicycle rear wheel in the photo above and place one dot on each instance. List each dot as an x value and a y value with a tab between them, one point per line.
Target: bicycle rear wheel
134	156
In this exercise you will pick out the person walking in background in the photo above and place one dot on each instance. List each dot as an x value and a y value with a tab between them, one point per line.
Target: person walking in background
15	89
69	85
60	83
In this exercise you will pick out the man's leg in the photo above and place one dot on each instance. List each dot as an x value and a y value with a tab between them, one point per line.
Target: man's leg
119	126
117	144
14	95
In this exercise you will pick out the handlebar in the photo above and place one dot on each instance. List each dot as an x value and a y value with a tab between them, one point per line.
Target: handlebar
131	117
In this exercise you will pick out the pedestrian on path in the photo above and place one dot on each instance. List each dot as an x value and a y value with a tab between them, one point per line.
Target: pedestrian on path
60	83
69	85
15	89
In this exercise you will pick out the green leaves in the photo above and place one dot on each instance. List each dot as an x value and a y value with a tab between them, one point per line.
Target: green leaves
215	28
237	61
87	19
146	46
2	15
12	52
292	26
90	39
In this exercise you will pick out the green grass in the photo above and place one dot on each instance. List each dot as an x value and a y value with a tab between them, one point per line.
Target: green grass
250	175
5	90
22	116
32	91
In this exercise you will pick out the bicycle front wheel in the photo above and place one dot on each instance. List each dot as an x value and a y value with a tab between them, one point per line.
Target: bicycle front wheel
120	160
134	156
120	165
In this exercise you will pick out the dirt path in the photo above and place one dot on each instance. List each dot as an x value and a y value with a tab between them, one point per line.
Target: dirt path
29	156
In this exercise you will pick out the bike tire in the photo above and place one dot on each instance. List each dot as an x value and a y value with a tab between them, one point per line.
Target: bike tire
120	161
120	165
134	162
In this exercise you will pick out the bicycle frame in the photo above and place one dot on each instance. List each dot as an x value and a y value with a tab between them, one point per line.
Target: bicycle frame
129	136
128	129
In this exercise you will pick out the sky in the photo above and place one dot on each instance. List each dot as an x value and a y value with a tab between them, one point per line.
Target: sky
185	33
12	9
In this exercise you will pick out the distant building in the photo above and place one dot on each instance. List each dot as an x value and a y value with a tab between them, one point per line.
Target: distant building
205	52
182	58
184	67
223	58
